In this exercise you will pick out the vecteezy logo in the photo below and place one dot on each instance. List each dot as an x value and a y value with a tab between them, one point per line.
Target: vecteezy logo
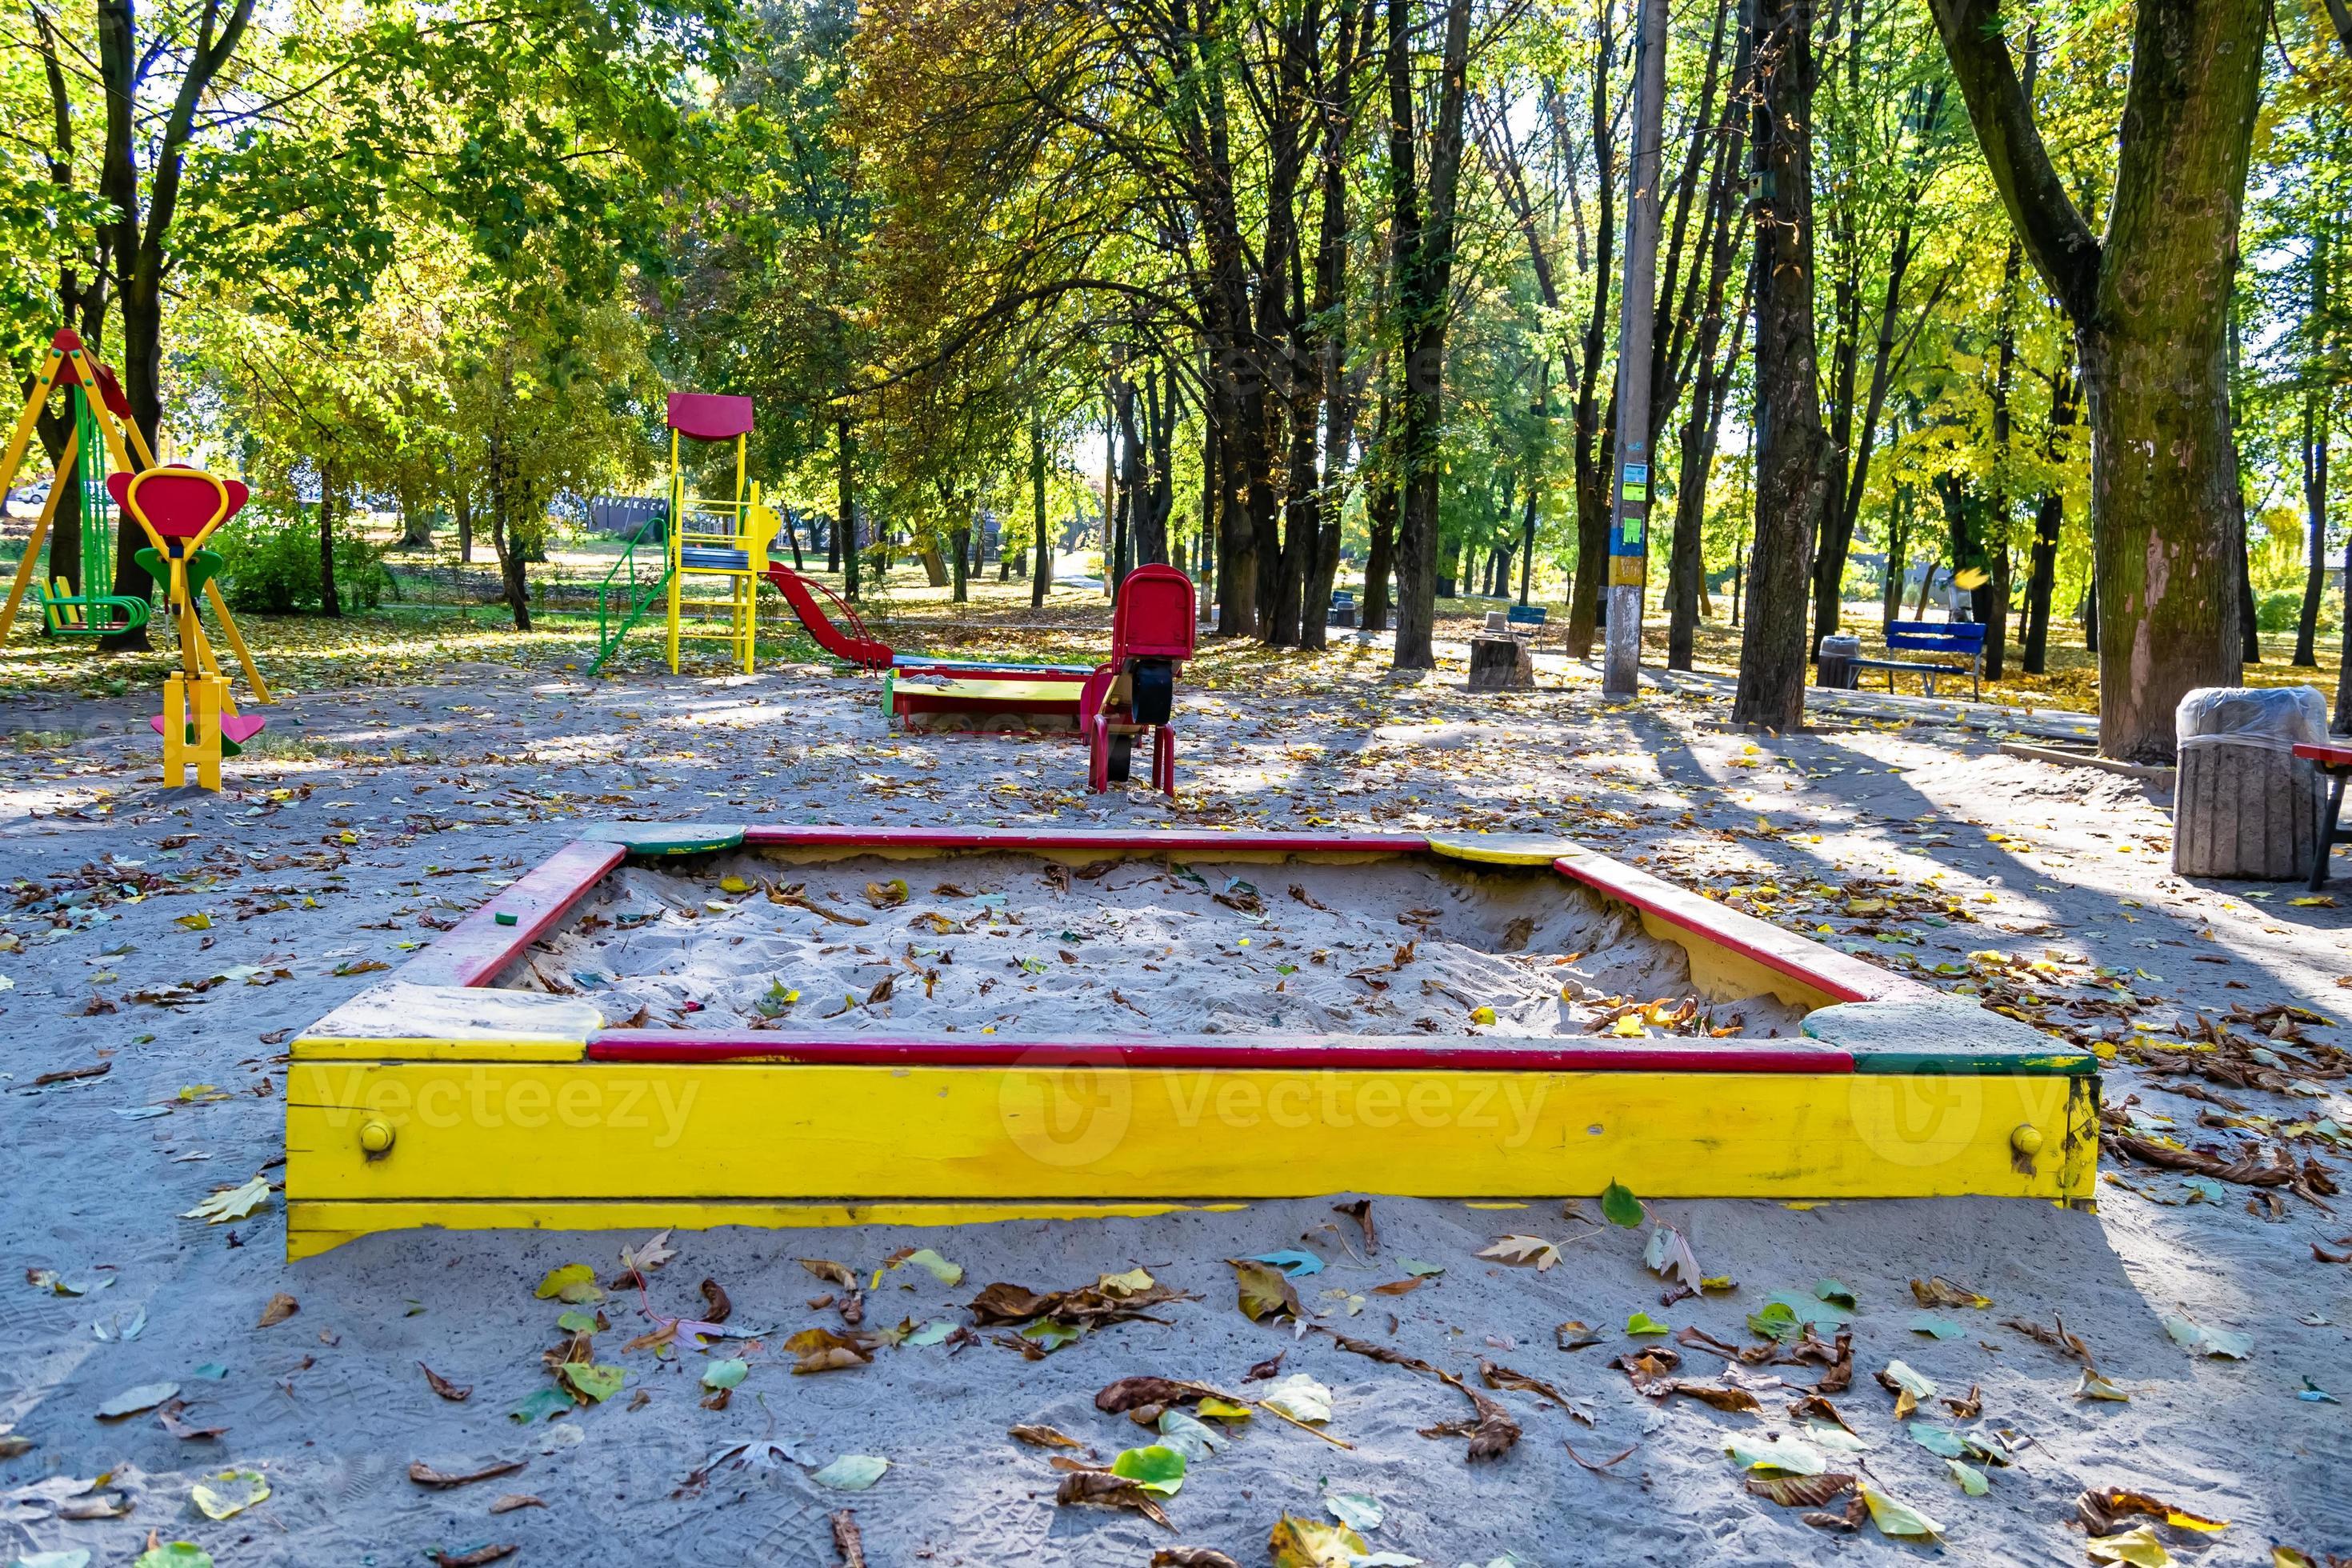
1917	1118
1067	1105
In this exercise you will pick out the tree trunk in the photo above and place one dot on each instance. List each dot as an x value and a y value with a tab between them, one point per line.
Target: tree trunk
330	602
1686	559
844	527
2150	305
1381	500
2343	724
2249	647
1041	575
1423	299
506	511
2317	418
1898	519
2049	530
1792	454
1595	433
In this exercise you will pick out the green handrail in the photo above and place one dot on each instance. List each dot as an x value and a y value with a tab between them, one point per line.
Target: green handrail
634	584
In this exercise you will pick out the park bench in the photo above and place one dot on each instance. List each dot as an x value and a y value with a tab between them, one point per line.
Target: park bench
1962	640
2335	761
1342	612
1527	620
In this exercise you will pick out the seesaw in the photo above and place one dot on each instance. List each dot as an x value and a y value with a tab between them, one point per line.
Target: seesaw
1132	693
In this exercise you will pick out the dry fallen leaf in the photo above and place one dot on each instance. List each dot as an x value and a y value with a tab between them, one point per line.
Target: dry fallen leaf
1942	1292
444	1388
822	1350
1603	1466
281	1307
168	1415
478	1558
1043	1437
424	1475
1800	1491
1107	1490
1360	1211
1523	1249
2103	1512
514	1500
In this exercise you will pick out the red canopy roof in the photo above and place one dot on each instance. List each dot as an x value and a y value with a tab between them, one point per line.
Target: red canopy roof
710	417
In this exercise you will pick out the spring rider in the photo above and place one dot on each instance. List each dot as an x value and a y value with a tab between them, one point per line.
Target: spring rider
178	509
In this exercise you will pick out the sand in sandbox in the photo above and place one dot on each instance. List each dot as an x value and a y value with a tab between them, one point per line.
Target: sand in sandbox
1137	947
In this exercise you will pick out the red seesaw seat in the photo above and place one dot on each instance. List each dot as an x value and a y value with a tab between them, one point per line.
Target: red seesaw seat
1152	632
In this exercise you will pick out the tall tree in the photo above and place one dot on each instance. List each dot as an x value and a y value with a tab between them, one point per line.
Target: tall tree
1424	264
2150	302
1792	451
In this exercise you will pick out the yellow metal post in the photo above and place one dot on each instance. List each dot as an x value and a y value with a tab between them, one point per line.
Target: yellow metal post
236	640
40	532
675	550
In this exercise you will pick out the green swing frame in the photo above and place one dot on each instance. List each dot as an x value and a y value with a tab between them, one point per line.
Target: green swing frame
96	611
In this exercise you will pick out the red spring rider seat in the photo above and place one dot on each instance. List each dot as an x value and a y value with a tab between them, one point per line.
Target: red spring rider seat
178	508
1151	633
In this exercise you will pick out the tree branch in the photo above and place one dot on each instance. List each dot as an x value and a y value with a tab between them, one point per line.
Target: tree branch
2062	245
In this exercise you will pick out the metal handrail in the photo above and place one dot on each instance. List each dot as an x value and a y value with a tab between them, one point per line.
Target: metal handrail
638	592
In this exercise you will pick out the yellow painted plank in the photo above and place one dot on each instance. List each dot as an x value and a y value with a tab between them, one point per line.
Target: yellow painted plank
489	1049
1042	692
771	1133
1721	974
315	1227
1505	848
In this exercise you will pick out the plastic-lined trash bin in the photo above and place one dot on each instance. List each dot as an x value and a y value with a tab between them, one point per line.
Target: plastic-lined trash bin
1836	667
2245	804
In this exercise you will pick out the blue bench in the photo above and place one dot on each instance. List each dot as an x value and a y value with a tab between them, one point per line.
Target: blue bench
1961	641
1532	615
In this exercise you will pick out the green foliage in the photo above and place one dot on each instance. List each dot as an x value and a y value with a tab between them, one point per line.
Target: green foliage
271	565
2279	612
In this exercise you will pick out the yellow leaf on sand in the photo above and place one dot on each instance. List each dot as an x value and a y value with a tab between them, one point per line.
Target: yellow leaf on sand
229	1493
1894	1518
1482	1015
733	885
575	1282
2138	1547
197	921
1299	1543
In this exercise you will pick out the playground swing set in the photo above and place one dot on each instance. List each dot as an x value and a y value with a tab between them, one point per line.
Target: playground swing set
704	541
178	509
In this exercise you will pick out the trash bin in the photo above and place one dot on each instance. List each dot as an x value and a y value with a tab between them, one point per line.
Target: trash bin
2243	804
1837	668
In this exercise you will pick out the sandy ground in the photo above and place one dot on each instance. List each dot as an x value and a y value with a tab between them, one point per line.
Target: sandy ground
1188	946
2041	889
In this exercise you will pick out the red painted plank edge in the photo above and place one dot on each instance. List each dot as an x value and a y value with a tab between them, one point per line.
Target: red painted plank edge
2326	756
478	949
1232	1051
1837	974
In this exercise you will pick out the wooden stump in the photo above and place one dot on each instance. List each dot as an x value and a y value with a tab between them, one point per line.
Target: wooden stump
2245	811
1501	664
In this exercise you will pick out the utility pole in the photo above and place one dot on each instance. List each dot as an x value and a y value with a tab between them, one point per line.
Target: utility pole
1629	542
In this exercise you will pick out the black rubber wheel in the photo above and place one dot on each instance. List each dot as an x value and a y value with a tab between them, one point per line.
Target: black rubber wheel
1121	748
1152	691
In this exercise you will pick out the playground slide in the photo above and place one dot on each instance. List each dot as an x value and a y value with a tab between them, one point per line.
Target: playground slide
853	647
